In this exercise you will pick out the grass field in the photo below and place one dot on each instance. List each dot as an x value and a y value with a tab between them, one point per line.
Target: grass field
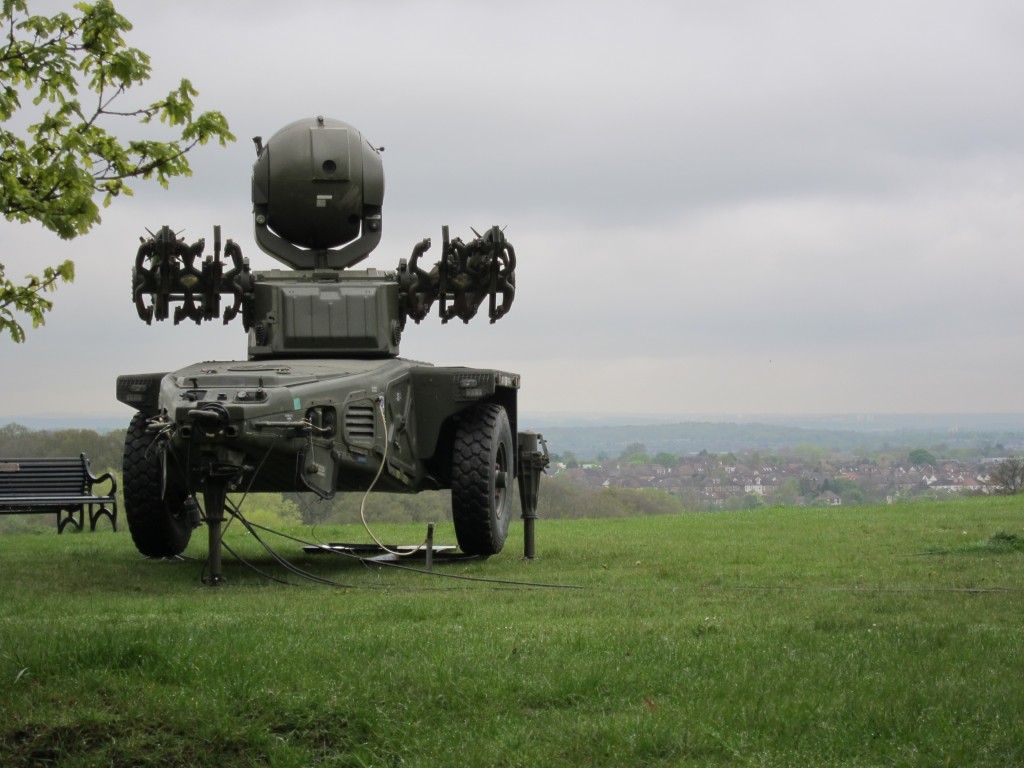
783	637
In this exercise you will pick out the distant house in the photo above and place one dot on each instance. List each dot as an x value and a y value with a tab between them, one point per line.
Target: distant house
959	482
752	484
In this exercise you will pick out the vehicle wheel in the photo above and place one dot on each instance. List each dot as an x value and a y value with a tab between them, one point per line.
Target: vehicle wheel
482	476
156	517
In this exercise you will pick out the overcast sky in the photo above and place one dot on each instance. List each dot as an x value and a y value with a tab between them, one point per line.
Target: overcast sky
717	208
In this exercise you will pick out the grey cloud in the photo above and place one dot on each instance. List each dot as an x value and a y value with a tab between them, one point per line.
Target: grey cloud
695	184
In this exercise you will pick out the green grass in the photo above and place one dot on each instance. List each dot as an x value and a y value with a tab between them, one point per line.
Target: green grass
781	637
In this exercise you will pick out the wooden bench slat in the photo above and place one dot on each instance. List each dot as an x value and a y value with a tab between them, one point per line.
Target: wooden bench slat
14	501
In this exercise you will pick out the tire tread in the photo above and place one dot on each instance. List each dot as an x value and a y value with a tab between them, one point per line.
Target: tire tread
156	524
476	529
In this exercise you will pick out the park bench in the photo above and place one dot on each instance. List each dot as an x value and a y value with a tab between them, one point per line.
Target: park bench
63	486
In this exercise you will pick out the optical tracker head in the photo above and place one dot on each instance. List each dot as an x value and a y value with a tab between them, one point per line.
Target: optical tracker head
317	193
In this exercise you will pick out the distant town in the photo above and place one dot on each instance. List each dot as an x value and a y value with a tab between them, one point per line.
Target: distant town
710	481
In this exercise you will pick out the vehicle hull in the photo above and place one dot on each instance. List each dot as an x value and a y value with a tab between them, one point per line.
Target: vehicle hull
319	425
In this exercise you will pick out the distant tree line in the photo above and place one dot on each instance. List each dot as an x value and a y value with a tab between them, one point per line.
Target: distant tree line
103	449
560	498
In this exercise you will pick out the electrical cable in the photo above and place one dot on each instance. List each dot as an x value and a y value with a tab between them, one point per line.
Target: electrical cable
380	471
254	568
460	577
234	510
282	561
400	566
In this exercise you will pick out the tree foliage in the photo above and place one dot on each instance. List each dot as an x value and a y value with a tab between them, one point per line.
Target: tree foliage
921	457
74	69
1007	477
103	449
665	459
29	298
635	453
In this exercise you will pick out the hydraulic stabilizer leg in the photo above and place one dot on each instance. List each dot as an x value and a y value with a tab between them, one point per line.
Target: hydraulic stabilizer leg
214	494
532	462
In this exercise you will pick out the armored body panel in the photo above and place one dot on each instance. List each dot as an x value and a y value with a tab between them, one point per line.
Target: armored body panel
337	421
317	314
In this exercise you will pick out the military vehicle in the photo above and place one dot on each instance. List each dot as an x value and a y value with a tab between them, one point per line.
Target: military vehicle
323	403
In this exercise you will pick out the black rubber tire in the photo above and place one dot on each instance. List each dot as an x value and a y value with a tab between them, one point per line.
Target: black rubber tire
482	476
158	525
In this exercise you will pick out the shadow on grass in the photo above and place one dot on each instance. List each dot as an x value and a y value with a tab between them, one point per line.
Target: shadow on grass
161	738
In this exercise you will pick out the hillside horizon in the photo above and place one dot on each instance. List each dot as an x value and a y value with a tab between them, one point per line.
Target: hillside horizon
855	422
593	436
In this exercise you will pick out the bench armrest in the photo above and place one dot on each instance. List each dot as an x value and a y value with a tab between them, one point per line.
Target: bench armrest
94	480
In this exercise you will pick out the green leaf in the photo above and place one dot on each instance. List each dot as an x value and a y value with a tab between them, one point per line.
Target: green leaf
69	160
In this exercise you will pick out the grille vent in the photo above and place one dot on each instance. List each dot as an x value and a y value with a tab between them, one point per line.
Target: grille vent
360	422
